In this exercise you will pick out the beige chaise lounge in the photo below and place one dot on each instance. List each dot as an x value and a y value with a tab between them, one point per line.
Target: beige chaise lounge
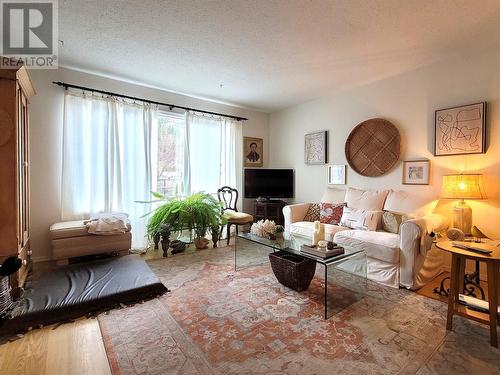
71	239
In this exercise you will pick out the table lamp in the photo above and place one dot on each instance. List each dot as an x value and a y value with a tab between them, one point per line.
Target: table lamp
463	186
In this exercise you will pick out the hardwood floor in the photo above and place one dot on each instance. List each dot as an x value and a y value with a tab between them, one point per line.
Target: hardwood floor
72	348
428	290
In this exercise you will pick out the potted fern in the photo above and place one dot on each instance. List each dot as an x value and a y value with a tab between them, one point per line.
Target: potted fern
196	213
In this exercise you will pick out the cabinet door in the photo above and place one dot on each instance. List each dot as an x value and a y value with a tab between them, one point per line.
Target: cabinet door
23	170
26	174
260	210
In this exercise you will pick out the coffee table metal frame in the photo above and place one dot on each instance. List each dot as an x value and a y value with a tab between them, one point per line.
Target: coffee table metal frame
292	246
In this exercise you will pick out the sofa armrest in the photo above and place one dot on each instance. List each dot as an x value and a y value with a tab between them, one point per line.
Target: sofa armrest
293	213
411	232
415	242
415	231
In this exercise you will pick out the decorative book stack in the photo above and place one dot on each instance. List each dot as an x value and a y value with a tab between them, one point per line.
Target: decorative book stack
322	252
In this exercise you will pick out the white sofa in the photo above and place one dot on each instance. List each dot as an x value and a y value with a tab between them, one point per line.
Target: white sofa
406	259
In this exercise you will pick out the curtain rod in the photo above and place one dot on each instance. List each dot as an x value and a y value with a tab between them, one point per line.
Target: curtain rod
172	106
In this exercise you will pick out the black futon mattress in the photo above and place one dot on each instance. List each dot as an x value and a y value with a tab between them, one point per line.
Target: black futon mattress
78	289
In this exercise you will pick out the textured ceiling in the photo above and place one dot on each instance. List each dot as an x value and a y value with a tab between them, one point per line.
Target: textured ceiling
268	54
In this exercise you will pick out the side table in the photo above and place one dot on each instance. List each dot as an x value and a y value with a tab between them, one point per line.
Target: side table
472	283
458	258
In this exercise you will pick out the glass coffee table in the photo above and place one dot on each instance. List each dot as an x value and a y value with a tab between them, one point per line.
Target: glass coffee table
350	266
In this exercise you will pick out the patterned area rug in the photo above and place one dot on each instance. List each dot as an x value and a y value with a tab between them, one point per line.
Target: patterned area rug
218	321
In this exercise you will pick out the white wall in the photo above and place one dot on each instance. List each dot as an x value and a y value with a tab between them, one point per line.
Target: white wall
407	100
46	121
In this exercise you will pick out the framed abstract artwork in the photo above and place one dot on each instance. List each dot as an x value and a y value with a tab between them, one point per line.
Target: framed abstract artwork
253	152
460	130
416	172
316	148
336	175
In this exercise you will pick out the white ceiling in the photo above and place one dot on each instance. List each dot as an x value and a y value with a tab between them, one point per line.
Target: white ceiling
268	54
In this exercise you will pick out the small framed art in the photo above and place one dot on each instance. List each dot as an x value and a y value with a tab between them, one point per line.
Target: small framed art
316	148
460	130
253	152
336	175
416	172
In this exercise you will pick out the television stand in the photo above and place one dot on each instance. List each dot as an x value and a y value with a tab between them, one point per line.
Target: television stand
268	200
271	209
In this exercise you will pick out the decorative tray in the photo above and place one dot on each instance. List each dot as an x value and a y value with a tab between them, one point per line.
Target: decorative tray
314	250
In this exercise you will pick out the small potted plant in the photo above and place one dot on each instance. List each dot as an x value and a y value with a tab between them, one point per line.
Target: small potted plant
278	231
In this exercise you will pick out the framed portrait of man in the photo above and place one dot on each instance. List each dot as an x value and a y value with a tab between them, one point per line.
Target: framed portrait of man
253	152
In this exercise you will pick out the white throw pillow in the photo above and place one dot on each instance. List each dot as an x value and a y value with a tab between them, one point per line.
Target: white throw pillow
361	219
373	220
352	218
368	200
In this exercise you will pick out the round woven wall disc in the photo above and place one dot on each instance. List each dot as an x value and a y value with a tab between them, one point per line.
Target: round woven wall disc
372	148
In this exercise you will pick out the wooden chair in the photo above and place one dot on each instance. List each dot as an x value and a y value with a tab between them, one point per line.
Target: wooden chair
228	196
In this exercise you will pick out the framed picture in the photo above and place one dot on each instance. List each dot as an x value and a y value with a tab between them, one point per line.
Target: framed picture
460	130
336	175
253	152
416	172
316	148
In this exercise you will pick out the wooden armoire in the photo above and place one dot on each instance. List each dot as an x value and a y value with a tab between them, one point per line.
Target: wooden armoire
16	89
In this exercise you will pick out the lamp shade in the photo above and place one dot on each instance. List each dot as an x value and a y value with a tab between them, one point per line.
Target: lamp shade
463	186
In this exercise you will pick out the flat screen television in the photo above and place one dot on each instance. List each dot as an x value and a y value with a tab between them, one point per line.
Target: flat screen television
268	183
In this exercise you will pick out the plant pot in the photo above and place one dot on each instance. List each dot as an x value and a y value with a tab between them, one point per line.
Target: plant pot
177	246
156	240
201	243
165	244
215	237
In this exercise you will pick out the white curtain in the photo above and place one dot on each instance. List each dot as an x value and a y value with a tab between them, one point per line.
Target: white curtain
107	164
215	145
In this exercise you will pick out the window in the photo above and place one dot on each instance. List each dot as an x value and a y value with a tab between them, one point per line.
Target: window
171	153
194	153
116	152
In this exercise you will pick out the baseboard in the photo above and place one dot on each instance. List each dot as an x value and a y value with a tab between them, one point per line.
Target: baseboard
41	259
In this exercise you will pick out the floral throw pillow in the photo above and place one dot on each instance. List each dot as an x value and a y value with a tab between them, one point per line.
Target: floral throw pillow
312	213
331	213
